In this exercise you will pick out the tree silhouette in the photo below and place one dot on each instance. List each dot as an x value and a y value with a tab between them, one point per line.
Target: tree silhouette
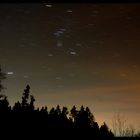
25	97
105	132
73	114
4	104
56	122
82	118
28	100
2	77
65	112
32	100
17	107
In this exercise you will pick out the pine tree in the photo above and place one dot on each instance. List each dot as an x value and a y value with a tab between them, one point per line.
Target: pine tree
2	77
4	104
73	113
105	132
25	97
17	107
32	100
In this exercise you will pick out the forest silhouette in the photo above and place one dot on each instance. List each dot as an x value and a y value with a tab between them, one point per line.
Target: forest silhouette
24	116
25	120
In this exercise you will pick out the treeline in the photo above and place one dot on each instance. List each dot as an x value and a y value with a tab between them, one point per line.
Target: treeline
23	120
24	117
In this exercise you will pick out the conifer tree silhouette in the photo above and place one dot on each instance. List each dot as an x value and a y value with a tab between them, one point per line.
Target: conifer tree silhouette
80	123
25	97
73	113
17	107
28	100
105	132
32	100
2	77
4	104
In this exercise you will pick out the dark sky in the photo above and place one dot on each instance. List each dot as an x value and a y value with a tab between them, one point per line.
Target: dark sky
73	54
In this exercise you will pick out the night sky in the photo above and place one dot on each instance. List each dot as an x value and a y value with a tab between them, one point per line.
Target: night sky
73	54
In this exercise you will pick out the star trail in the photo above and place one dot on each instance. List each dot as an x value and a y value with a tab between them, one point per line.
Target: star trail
73	54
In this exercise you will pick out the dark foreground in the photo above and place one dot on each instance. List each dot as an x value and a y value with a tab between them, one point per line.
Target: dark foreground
24	121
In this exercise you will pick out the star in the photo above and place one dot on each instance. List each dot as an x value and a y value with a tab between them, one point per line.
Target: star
50	55
48	5
25	76
73	53
10	73
69	11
